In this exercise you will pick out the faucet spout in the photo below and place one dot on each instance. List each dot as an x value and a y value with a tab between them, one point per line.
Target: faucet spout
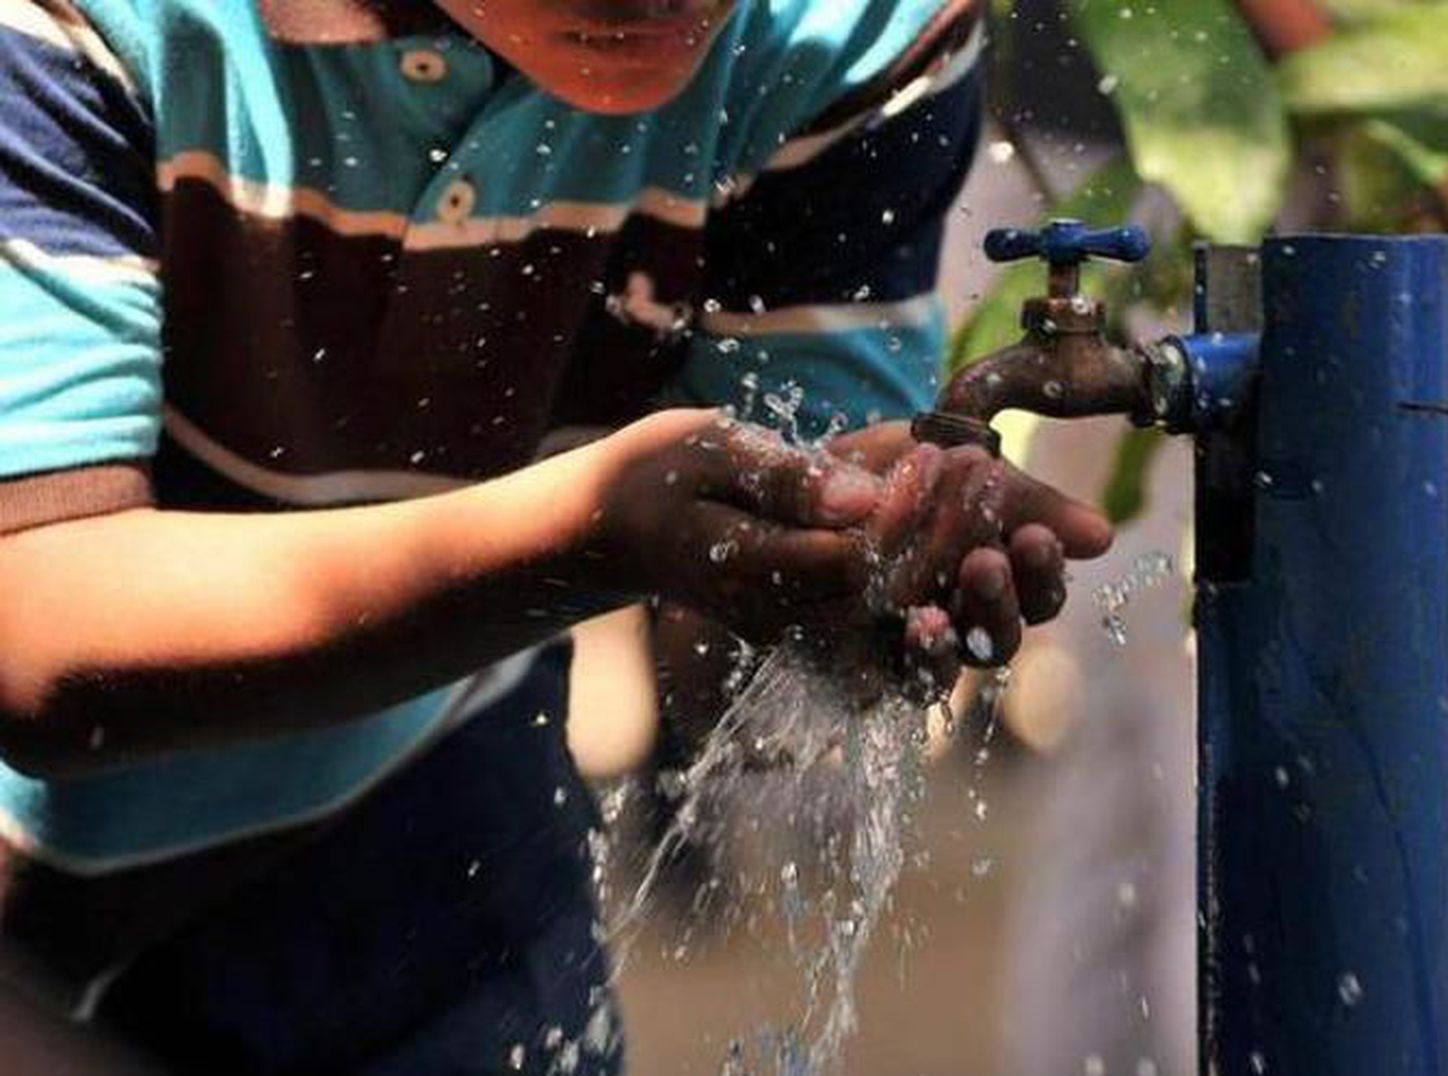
1063	366
1062	377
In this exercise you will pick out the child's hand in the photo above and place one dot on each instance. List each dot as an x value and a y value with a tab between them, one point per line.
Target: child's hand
727	518
730	520
969	546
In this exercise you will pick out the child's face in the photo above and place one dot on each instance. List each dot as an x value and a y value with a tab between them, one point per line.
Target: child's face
611	56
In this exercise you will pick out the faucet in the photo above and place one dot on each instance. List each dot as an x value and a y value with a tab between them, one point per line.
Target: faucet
1064	367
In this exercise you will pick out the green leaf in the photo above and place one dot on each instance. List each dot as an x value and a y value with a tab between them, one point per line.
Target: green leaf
1124	497
1420	144
1104	198
1349	10
1388	175
1394	60
1201	111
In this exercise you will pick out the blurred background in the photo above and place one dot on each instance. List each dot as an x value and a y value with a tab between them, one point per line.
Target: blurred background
1044	921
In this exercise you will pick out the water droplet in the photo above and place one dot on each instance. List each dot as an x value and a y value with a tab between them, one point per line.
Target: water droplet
719	552
1147	571
1000	152
1349	989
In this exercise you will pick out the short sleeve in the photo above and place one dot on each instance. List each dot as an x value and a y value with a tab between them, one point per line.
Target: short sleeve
80	298
821	269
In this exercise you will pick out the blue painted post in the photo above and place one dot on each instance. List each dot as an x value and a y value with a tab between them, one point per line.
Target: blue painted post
1323	649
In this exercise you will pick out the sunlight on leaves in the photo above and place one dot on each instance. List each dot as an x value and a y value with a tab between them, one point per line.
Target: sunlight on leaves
1200	108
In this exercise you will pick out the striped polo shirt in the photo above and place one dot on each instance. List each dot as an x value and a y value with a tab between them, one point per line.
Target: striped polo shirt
277	254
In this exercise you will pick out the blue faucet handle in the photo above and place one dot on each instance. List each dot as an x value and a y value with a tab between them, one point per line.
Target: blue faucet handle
1067	243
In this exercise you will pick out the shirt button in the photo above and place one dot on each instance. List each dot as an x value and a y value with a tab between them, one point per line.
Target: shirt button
423	65
457	201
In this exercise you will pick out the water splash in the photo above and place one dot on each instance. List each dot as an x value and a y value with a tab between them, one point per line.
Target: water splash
838	755
1147	571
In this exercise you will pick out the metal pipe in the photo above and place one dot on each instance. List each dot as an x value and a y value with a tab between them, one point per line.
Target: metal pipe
1066	376
1323	650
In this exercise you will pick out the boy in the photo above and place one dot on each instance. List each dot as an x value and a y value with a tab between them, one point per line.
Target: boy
265	813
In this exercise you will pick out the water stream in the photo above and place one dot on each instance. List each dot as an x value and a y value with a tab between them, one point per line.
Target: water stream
828	758
838	764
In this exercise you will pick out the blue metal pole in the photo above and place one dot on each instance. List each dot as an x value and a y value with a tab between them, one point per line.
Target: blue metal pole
1323	710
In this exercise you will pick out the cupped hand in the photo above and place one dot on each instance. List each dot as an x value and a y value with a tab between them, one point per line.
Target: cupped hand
729	519
969	548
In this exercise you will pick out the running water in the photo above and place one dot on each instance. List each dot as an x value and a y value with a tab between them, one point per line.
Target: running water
835	752
837	757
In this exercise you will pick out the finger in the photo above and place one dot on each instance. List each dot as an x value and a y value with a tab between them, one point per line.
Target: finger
908	489
1082	530
1038	566
961	516
875	448
986	612
932	651
758	471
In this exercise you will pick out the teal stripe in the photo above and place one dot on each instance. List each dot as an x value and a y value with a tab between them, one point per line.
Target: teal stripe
864	375
80	377
207	796
344	120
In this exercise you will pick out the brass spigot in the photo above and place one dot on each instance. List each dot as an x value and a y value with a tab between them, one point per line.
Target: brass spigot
1063	366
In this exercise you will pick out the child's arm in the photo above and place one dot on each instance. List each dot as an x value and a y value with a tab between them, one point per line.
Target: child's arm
143	631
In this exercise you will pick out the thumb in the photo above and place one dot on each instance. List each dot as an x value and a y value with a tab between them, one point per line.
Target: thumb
791	485
1083	531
